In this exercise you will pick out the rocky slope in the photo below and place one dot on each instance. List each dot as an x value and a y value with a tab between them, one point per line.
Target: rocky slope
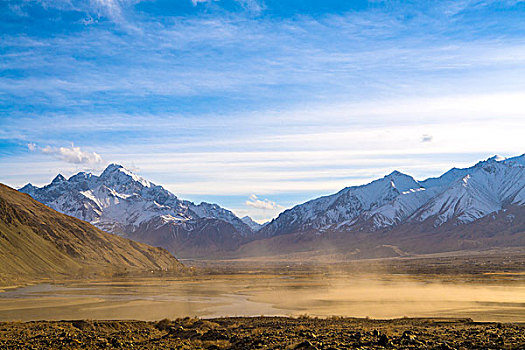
120	202
37	241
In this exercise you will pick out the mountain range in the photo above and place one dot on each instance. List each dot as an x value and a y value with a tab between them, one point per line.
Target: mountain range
120	202
396	211
459	196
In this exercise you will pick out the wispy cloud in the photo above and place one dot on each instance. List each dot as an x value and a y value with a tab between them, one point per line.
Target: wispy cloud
320	150
263	204
115	11
233	58
196	2
255	6
72	154
110	8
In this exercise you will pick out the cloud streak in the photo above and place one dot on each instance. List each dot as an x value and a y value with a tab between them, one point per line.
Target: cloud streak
263	204
218	57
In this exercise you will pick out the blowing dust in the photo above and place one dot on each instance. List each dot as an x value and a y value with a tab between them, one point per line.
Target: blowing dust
374	296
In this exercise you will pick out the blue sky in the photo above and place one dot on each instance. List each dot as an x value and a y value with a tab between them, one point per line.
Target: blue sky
258	104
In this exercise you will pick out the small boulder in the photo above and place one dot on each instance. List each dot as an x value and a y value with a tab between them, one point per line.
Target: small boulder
305	345
383	340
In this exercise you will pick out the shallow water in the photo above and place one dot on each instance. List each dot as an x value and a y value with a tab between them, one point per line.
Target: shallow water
255	295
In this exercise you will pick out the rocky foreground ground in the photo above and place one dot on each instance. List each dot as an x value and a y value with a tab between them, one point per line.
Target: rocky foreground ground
263	333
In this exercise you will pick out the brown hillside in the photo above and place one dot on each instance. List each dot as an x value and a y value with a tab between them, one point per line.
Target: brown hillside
38	242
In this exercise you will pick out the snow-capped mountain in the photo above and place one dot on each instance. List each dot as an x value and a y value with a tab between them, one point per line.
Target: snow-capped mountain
123	203
485	188
457	197
477	207
344	208
255	226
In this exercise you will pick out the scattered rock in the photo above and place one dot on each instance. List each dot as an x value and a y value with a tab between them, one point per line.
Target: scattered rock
261	332
383	340
305	345
81	324
163	325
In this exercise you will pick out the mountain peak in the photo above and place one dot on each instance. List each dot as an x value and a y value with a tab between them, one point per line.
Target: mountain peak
80	176
59	178
119	174
250	222
496	158
113	167
396	173
27	188
402	182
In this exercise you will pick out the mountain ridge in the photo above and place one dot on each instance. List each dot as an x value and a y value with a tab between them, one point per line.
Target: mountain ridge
397	198
395	203
123	203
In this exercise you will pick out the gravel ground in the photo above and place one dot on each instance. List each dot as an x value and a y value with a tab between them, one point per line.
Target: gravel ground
263	333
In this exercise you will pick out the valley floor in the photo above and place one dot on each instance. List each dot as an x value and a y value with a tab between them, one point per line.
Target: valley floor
486	287
264	333
465	300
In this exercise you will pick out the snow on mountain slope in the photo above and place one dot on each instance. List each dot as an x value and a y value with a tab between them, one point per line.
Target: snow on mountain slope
488	187
465	200
344	208
255	226
214	211
518	160
400	208
444	180
119	201
459	195
124	203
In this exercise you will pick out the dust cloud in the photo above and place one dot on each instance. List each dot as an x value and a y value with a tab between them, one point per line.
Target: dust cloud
374	296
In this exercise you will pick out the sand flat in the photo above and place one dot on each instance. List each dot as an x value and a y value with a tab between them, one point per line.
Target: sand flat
266	294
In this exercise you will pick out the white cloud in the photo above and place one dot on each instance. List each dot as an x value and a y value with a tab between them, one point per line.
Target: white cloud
319	151
196	2
264	204
254	6
113	8
71	154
